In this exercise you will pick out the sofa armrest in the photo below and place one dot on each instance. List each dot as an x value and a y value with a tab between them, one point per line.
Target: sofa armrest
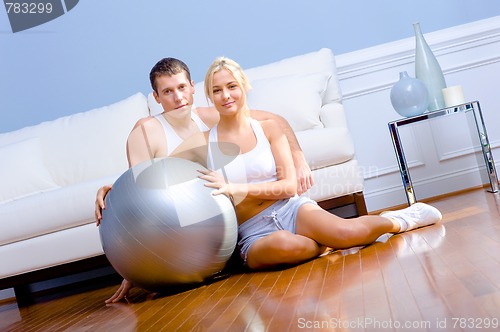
337	147
333	115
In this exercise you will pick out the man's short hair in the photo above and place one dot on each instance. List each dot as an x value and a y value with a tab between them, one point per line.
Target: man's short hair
169	67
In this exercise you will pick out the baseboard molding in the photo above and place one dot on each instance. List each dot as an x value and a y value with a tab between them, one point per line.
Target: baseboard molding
425	189
434	198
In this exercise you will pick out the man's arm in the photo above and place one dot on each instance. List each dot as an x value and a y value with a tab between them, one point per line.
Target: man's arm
144	142
208	115
100	202
304	174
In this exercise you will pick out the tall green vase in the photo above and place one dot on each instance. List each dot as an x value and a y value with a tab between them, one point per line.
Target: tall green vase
428	70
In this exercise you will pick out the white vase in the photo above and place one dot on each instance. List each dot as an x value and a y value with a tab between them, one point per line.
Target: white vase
428	70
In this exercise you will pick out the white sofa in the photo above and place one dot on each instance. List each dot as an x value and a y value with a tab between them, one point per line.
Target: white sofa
50	172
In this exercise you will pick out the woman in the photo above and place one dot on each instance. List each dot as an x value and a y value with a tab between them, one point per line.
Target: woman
275	225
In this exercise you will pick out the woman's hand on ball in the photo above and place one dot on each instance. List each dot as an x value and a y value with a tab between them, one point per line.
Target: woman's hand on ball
216	181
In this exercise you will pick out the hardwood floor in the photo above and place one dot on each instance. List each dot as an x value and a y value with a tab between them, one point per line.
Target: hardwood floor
444	277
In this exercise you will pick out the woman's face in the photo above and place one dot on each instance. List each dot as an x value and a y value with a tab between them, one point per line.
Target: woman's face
228	96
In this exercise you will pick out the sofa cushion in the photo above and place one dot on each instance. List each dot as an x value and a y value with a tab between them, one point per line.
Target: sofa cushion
102	152
86	145
322	61
51	211
298	98
22	170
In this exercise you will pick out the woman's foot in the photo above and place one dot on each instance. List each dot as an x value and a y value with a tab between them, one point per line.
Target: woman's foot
415	216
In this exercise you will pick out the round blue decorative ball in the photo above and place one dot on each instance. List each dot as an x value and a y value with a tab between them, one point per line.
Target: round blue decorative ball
409	96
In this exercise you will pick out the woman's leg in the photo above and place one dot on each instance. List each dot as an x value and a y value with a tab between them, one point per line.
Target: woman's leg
282	247
338	233
332	231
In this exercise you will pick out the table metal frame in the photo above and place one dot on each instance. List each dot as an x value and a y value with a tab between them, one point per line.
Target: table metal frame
480	129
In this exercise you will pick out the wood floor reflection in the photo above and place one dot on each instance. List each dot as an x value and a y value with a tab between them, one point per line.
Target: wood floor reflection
445	277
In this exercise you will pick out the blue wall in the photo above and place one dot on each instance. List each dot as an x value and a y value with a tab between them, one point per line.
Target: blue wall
101	51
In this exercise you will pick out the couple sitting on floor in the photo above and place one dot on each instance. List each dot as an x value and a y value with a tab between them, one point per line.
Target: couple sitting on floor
276	224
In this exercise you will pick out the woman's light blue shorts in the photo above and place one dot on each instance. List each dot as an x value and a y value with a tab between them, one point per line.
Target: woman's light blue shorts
279	216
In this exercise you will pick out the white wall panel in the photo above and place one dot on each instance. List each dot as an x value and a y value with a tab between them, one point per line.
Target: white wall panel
441	153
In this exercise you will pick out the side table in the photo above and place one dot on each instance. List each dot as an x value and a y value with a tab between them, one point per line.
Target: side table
479	128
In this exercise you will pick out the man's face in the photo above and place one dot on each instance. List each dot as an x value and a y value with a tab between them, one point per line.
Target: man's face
174	92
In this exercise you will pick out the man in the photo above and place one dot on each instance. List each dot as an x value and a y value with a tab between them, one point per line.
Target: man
158	136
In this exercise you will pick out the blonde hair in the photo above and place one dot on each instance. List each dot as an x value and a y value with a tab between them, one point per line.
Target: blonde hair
231	66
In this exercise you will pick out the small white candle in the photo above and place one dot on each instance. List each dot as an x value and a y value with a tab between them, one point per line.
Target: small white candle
453	96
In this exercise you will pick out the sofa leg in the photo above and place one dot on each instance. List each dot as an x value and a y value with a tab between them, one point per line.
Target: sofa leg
359	200
24	296
348	206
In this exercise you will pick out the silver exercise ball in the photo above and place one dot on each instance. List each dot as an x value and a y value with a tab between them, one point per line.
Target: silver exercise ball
162	226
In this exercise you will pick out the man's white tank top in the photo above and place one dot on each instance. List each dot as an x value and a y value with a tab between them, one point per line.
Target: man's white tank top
173	140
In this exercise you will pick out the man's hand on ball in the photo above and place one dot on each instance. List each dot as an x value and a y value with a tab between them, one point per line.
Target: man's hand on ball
121	293
100	202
